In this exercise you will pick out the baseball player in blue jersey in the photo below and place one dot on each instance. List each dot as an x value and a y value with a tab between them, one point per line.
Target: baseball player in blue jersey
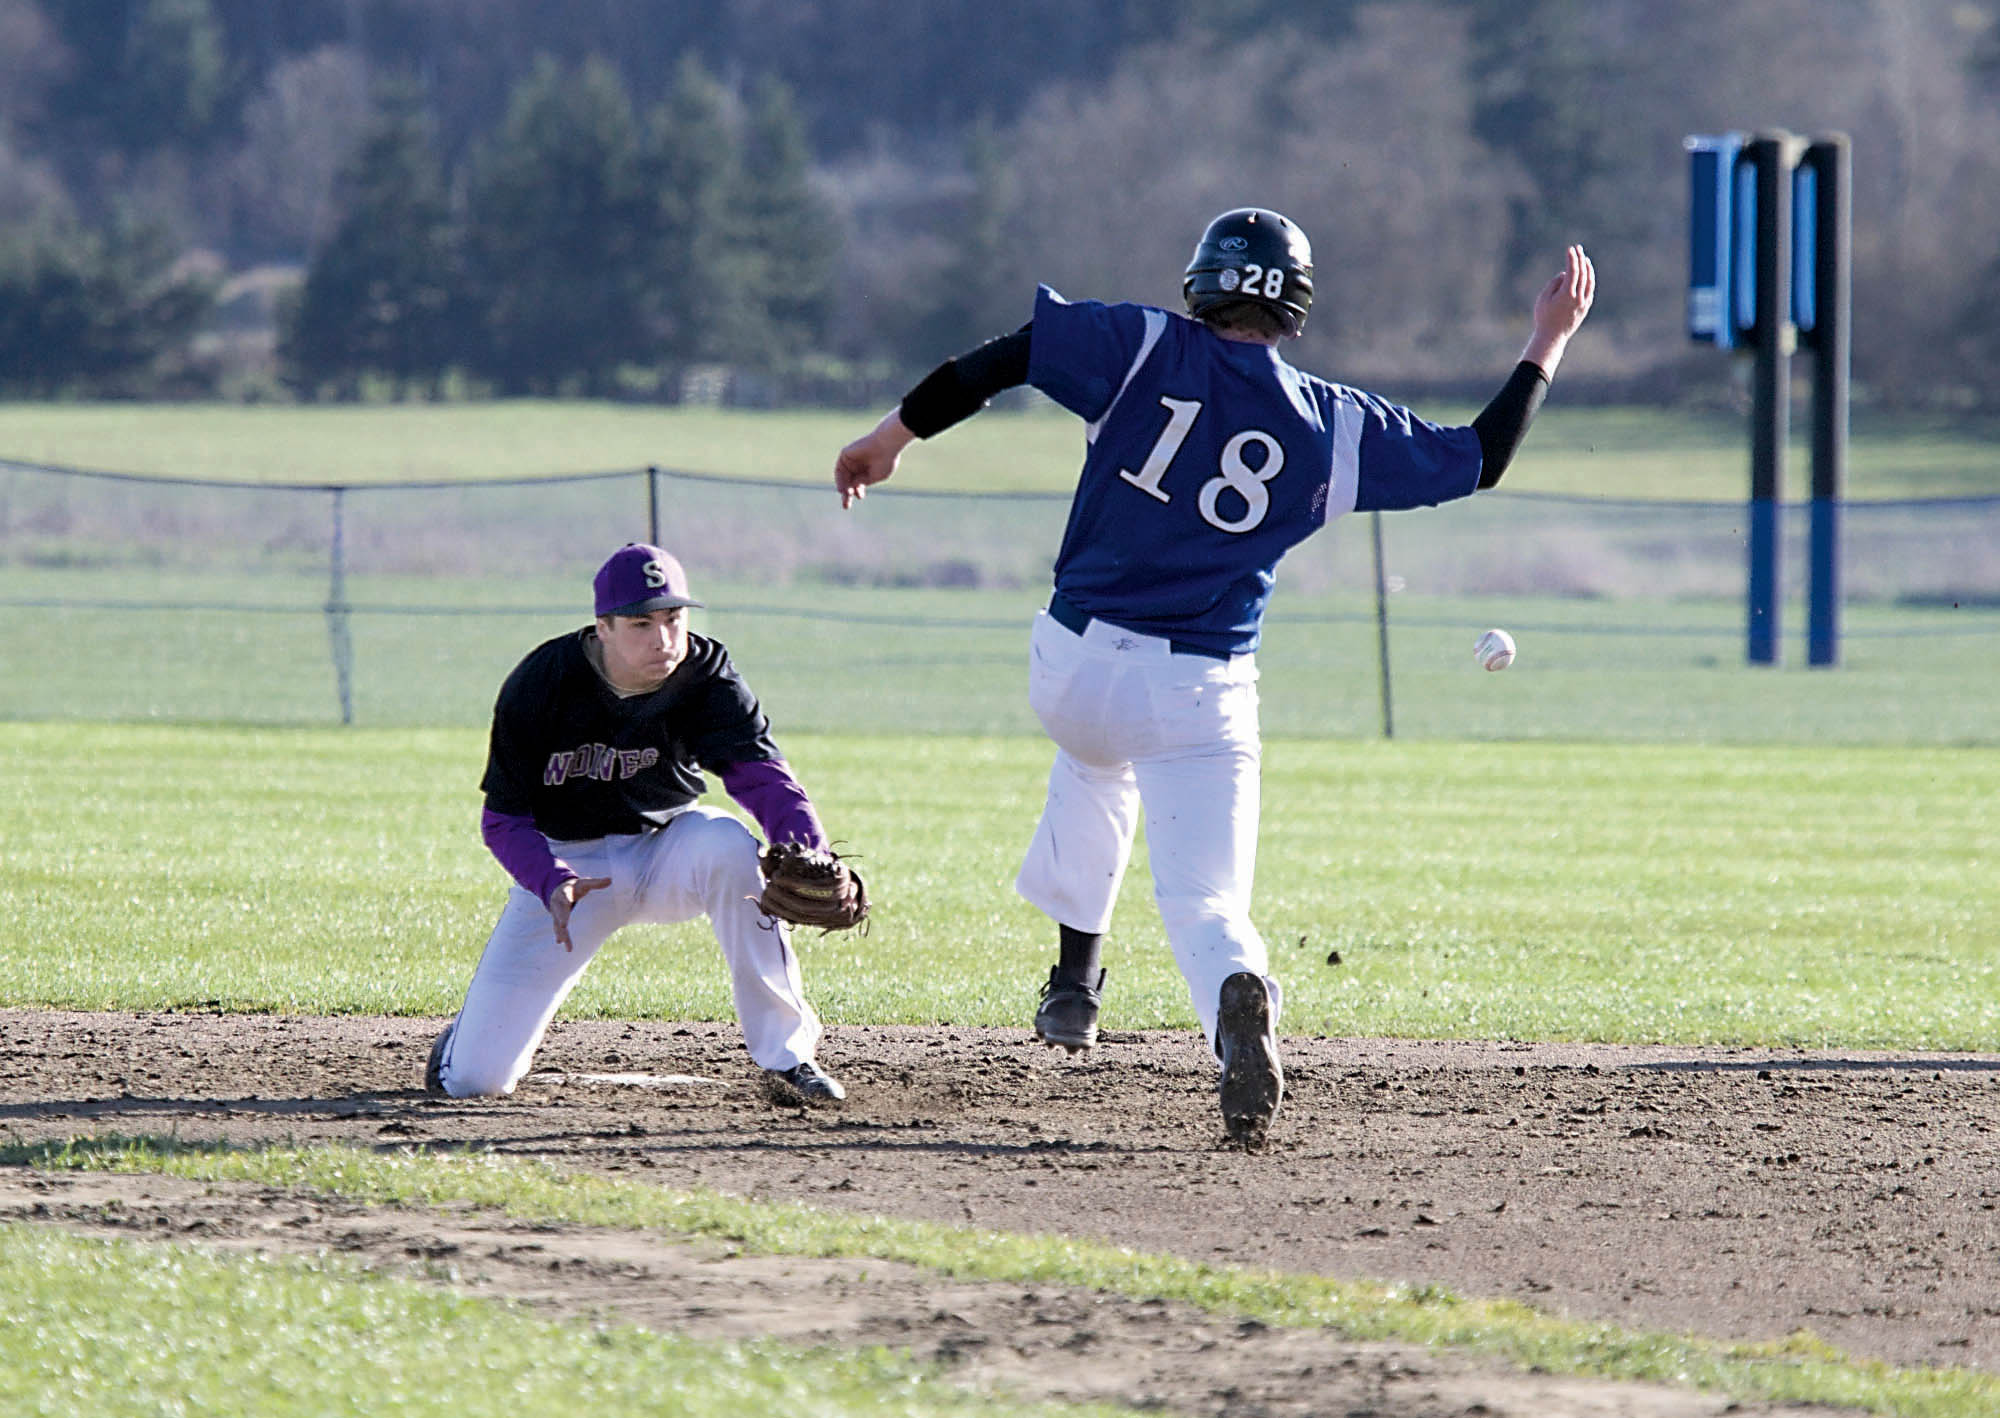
1208	457
599	740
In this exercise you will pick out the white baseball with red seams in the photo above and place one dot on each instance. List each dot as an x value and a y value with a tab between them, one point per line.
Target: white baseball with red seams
1494	650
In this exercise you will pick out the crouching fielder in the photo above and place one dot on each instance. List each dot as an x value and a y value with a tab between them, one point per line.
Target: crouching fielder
592	775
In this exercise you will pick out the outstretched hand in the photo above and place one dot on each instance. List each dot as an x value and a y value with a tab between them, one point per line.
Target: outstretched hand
870	459
1559	310
564	898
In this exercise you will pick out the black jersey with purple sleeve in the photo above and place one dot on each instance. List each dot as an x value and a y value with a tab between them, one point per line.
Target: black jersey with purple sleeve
584	762
1208	459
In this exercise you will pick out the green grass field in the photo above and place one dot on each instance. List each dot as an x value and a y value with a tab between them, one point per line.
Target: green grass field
1628	837
1775	896
1599	452
894	661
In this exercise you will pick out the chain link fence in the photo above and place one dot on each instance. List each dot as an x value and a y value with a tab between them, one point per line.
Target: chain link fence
144	598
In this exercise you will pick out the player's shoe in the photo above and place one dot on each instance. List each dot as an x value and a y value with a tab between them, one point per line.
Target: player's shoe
806	1082
1068	1013
1252	1078
434	1067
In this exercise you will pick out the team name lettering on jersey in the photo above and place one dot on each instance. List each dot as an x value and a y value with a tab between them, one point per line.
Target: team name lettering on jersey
596	760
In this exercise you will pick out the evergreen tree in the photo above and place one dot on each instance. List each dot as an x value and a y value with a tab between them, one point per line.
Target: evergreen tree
558	224
705	250
145	74
790	231
380	296
94	312
174	77
976	297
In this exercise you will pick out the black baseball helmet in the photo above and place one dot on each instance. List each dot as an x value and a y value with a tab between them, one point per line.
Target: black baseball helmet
1257	255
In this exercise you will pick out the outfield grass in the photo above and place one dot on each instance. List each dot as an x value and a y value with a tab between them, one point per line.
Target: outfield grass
1602	452
1775	896
1801	1369
920	661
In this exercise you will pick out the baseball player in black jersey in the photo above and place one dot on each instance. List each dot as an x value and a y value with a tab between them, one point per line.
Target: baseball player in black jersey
600	738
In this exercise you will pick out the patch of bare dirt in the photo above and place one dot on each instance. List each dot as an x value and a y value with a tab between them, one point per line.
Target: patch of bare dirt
1733	1193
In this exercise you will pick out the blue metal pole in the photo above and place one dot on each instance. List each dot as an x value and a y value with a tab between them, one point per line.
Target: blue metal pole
1832	161
1773	155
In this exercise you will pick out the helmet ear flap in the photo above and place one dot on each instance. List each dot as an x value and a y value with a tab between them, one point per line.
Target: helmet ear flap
1254	255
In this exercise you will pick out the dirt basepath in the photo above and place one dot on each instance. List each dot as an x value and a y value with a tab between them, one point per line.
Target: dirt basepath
1739	1194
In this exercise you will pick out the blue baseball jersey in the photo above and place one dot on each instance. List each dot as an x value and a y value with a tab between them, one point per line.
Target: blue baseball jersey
1208	459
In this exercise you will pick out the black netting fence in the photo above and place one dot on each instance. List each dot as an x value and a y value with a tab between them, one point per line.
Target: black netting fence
132	598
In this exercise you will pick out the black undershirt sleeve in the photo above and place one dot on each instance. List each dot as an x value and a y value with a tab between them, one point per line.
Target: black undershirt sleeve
1503	423
960	387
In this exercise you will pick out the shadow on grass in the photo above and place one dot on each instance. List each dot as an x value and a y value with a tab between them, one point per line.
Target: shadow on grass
354	1105
108	1150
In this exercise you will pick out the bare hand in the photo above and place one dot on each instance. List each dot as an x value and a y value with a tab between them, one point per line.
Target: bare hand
564	898
1566	299
869	459
1560	309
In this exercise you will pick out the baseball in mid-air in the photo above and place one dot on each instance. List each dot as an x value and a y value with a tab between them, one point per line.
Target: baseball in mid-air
1494	650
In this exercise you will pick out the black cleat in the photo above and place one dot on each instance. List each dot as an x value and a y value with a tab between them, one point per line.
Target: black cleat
805	1083
1252	1078
434	1066
1068	1013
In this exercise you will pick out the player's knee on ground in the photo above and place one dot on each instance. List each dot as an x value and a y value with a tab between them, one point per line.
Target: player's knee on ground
473	1073
470	1080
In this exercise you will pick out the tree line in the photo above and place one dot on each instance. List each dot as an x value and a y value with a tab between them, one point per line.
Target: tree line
509	196
590	239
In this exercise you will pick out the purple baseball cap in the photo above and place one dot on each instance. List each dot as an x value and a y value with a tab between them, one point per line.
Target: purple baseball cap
640	578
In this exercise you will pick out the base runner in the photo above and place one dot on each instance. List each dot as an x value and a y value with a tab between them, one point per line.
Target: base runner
1208	457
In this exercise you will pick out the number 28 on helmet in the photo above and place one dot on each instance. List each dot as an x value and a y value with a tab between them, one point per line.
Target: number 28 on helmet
1256	255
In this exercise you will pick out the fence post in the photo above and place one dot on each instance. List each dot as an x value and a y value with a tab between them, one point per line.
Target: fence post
653	504
336	612
1382	627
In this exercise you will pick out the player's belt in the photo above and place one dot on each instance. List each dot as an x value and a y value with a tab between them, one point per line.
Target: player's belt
1066	614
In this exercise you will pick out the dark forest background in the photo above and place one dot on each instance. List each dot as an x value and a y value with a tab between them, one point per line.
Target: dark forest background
784	200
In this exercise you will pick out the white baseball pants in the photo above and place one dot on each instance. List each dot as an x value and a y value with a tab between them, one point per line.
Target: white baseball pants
703	862
1137	726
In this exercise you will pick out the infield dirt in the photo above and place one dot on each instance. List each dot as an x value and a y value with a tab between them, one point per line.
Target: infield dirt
1737	1194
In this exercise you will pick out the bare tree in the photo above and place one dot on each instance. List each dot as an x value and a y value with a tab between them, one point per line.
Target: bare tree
29	188
1892	74
1367	145
301	126
31	60
1927	195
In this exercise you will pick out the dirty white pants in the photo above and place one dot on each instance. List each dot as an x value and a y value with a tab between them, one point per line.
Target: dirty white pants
703	862
1139	727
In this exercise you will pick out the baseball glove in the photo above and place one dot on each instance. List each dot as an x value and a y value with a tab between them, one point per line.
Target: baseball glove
809	886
